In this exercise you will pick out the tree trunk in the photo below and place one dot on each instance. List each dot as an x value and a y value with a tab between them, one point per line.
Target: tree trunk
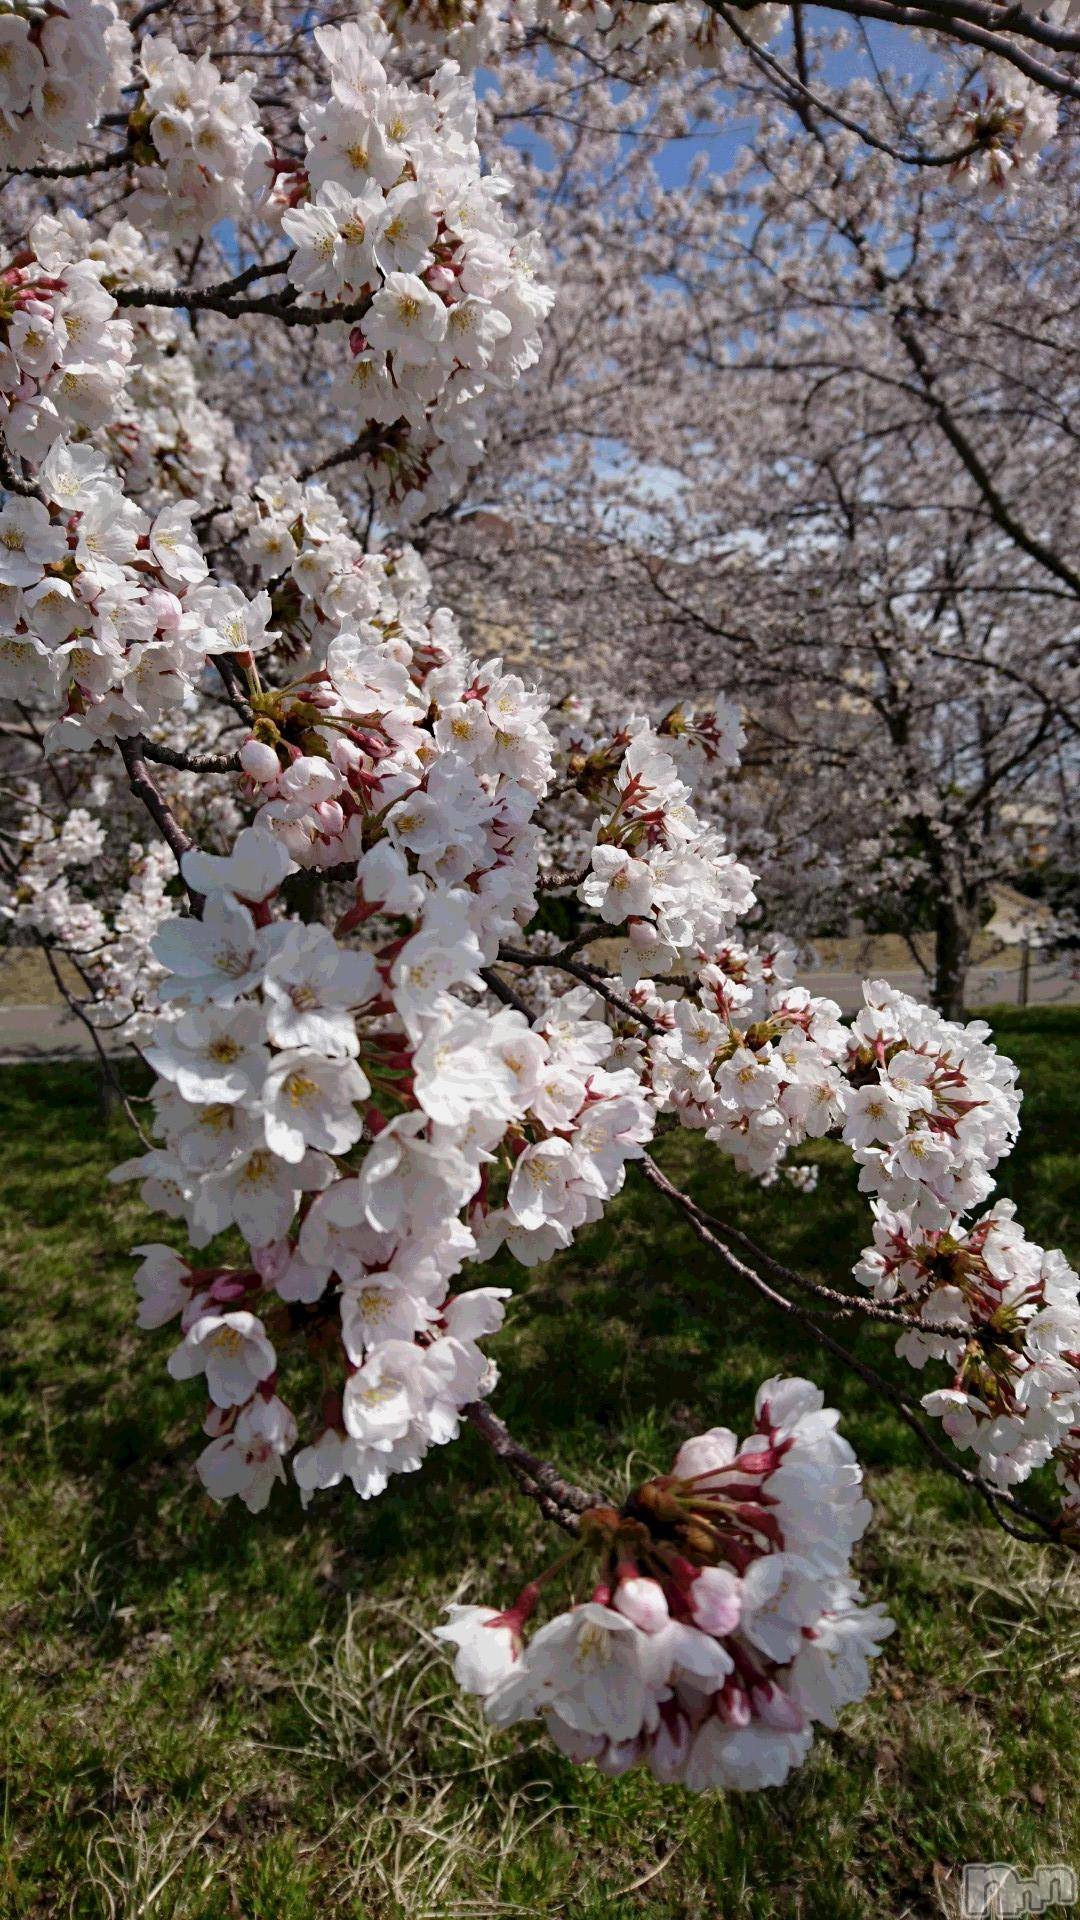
952	956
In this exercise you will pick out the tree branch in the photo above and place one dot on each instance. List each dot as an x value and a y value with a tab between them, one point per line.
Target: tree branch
73	170
11	478
558	1499
142	786
521	957
278	306
1037	1529
186	762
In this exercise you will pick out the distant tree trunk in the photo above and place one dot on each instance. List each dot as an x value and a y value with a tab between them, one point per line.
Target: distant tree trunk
953	932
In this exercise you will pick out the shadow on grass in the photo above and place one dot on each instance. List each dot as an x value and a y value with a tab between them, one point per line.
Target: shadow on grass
612	1351
145	1618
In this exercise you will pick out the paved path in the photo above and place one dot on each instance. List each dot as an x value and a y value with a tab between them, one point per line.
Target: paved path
986	986
52	1033
46	1033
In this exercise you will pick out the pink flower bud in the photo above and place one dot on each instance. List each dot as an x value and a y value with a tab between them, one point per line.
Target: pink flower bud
670	1744
260	761
733	1704
346	757
777	1708
715	1601
619	1756
330	817
642	1601
271	1261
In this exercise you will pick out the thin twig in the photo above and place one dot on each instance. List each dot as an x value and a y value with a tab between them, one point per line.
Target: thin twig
77	1008
521	957
1038	1529
142	786
560	1500
186	762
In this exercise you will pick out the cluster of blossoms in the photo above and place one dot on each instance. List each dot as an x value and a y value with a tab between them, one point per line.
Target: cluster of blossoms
1013	1347
202	154
65	352
298	541
356	1114
655	866
394	218
51	887
62	65
635	38
37	890
927	1107
725	1620
153	424
930	1110
105	612
1007	122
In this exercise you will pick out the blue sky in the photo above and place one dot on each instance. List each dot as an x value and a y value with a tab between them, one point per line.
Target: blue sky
893	49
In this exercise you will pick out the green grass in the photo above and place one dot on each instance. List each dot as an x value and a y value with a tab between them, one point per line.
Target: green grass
207	1713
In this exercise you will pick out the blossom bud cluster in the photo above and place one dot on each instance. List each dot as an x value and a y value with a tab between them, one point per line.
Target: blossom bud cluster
394	218
932	1109
1008	119
725	1623
61	67
203	154
738	1052
296	537
655	866
1013	1347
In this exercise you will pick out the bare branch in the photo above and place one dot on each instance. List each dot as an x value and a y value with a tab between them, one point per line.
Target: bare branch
1037	1529
560	1500
187	762
142	786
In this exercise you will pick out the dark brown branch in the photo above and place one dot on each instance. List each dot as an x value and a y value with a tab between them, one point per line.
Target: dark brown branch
1036	1531
799	94
504	992
186	762
521	957
1000	511
558	1499
142	786
78	1009
11	478
962	23
277	306
73	170
835	1297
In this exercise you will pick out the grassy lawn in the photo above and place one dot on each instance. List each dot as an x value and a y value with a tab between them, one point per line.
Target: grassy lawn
208	1714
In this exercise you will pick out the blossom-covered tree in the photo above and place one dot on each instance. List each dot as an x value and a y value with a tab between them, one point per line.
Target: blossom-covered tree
372	1066
824	443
